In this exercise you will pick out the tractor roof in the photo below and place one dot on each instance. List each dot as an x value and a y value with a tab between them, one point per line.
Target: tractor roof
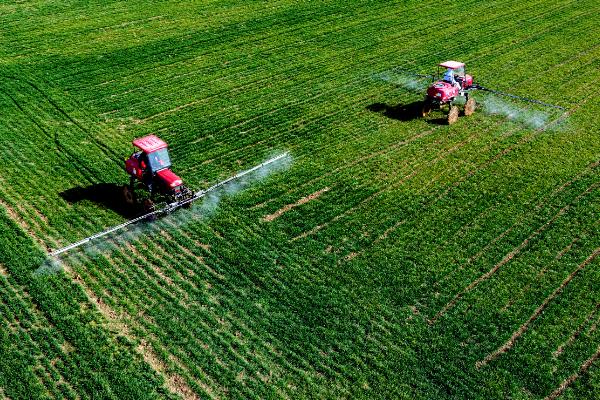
149	143
452	64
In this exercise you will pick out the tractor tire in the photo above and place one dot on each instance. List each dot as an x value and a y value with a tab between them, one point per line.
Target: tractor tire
148	206
128	195
427	106
188	196
470	106
452	115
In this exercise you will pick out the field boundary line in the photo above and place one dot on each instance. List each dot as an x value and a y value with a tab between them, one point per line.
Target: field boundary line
510	255
569	381
538	311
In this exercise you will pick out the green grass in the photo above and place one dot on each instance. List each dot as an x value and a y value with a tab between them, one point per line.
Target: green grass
432	247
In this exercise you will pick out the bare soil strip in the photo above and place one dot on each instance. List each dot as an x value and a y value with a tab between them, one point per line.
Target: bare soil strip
508	257
569	381
288	207
519	332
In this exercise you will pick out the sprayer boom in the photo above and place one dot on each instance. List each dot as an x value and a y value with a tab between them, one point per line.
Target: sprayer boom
168	208
479	87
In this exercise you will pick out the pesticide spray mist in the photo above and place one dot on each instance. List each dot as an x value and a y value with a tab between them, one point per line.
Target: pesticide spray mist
536	119
403	79
201	209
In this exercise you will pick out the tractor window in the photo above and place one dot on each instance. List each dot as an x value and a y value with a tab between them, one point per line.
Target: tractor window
159	160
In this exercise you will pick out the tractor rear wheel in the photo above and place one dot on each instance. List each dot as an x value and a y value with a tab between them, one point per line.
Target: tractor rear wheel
470	106
427	106
128	195
452	115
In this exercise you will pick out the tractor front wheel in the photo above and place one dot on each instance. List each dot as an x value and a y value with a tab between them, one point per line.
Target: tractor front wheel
128	195
149	207
427	106
452	115
470	106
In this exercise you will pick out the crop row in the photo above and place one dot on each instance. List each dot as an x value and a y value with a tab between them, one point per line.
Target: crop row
224	301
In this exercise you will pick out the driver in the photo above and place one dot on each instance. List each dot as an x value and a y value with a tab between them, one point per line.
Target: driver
147	177
449	77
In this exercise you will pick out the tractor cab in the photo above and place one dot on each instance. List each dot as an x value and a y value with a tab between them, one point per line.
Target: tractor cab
150	161
157	160
457	69
150	165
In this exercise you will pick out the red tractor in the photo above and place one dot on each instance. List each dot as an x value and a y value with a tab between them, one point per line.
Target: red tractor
150	166
445	91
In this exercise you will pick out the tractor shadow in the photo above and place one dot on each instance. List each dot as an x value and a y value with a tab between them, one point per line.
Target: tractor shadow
399	112
108	195
407	112
437	121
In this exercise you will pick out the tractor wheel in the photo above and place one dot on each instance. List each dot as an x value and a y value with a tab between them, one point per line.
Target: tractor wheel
187	196
148	206
452	115
128	195
470	106
426	108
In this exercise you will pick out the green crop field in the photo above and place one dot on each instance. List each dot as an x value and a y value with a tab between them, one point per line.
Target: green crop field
390	257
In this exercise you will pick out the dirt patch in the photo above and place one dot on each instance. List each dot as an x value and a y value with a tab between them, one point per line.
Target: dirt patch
288	207
41	216
67	347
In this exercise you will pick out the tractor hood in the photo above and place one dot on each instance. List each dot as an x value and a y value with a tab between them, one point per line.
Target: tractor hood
442	91
169	178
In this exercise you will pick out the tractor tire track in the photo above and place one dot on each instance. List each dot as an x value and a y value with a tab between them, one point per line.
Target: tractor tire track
577	332
509	256
569	381
107	151
523	328
498	156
